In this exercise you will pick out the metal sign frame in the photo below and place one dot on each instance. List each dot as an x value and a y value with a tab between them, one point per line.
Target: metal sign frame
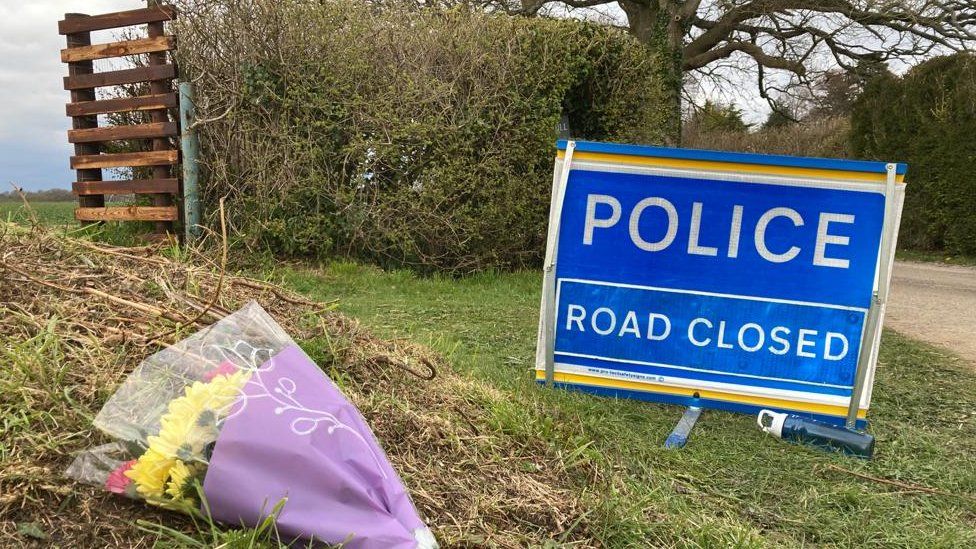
871	334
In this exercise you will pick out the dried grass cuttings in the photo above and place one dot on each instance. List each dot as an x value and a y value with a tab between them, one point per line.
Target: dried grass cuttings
108	295
107	306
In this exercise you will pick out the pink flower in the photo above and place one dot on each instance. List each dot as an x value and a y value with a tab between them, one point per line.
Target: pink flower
225	368
117	482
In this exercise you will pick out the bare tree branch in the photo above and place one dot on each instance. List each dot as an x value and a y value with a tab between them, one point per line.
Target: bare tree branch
756	52
786	34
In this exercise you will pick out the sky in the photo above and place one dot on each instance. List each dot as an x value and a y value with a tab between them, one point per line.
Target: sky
34	147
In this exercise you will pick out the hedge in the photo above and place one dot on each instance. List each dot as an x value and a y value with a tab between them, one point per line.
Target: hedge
408	137
928	119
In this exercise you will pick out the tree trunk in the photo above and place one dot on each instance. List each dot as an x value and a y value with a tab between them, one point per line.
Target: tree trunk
661	30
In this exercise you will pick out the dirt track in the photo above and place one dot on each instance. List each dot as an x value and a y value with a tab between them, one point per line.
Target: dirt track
935	303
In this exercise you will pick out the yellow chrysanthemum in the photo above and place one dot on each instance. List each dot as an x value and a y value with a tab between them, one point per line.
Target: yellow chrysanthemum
189	424
223	390
184	432
191	420
180	478
150	472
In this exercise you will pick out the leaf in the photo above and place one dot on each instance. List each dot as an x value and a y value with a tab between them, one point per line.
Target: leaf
31	530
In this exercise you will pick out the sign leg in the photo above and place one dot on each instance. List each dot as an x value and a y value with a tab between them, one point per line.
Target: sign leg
548	313
679	437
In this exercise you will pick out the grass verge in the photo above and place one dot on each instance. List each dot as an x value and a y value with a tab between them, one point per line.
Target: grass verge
613	483
76	317
732	485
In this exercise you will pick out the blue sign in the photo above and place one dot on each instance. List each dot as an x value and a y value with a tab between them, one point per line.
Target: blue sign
738	286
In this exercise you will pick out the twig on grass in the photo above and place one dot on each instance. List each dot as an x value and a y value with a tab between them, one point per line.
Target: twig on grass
402	364
220	282
467	420
258	285
30	211
124	252
906	487
148	309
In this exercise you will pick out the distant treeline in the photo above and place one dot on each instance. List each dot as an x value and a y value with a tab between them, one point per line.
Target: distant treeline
50	195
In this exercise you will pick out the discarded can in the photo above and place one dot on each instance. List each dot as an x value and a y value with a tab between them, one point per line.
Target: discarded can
816	433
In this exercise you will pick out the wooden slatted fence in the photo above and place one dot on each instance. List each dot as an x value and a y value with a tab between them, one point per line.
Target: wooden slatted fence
157	137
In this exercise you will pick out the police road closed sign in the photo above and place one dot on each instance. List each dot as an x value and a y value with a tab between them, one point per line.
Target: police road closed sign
723	280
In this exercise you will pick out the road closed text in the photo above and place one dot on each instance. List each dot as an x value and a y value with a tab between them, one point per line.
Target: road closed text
751	337
641	327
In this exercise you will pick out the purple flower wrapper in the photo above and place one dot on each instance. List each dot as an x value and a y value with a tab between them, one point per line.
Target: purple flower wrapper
296	438
241	408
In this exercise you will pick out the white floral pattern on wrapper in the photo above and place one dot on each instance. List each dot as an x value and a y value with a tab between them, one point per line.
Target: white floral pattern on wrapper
258	361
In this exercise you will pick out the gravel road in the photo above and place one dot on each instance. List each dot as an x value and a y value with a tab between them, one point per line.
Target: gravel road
935	303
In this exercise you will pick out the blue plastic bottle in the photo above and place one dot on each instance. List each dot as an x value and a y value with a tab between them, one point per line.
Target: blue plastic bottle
816	433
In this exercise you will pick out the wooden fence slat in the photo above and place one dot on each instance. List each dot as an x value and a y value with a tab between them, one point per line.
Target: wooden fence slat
127	186
116	133
116	19
123	104
85	107
132	160
159	172
82	70
118	49
125	76
127	213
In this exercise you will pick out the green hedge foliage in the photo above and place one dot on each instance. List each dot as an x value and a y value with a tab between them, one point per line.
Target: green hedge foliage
420	138
928	119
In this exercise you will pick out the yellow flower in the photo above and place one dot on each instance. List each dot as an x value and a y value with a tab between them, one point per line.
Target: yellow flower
189	424
191	420
150	473
223	390
180	478
182	434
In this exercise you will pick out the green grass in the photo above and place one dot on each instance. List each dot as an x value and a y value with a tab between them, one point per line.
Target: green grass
48	213
61	215
732	485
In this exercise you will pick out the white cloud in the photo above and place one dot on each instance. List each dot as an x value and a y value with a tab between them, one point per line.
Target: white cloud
34	148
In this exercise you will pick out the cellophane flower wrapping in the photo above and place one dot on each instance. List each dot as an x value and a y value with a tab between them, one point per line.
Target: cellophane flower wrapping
239	414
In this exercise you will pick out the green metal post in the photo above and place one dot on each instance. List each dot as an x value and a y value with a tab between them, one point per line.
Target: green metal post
190	146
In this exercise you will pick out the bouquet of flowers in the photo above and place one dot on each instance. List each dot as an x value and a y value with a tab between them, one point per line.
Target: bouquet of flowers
236	421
